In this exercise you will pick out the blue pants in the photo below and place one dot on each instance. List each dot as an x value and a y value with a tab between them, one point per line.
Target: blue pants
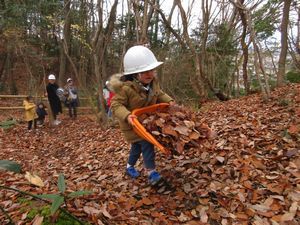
147	150
109	113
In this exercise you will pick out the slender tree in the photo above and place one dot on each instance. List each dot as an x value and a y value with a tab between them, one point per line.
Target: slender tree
65	41
244	45
284	42
100	42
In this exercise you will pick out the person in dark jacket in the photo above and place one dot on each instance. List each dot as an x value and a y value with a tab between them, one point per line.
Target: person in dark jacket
53	98
42	113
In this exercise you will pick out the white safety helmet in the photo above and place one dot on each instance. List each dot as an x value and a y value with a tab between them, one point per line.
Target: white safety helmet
139	59
51	77
69	79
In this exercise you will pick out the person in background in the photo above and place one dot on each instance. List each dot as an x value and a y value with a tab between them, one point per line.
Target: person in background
108	95
53	98
30	113
42	113
71	98
137	88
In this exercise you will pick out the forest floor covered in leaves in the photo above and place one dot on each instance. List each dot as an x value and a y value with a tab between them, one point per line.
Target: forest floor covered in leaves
248	174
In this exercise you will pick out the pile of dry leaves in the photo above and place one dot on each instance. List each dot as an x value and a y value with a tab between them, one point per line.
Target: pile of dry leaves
176	128
248	174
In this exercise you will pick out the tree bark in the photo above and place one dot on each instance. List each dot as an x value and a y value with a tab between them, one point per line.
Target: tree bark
100	41
65	41
143	21
169	28
258	63
298	34
296	45
244	46
200	75
284	42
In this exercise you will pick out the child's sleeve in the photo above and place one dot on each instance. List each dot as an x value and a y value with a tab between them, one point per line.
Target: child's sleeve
28	105
163	97
118	106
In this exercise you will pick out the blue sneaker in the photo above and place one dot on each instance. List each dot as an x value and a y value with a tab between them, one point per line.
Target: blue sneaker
131	171
154	178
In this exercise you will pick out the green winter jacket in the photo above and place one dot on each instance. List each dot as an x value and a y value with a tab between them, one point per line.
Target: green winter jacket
132	95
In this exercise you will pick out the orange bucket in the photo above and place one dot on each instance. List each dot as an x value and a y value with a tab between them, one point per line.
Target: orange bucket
140	129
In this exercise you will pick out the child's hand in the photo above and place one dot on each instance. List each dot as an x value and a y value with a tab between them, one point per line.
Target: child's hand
130	118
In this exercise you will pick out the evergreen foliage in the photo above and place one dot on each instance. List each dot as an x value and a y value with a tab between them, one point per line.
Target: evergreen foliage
293	76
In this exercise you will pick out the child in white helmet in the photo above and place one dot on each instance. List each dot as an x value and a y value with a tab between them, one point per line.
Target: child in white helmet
72	101
138	87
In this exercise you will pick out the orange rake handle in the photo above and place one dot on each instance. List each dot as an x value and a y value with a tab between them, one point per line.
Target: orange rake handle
140	129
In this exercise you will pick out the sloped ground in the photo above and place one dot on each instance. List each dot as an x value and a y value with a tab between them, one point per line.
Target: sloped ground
249	174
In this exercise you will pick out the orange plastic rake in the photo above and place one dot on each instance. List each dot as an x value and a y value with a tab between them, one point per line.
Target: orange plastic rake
140	129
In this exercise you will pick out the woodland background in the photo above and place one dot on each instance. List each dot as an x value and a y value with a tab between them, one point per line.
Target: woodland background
222	49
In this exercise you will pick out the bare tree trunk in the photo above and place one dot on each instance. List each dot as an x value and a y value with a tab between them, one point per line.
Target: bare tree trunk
143	21
237	82
298	33
125	40
169	27
296	45
85	52
295	56
155	25
262	68
3	59
168	22
284	42
258	64
65	41
200	78
244	46
138	20
200	75
198	84
232	78
7	70
272	58
100	41
236	75
206	10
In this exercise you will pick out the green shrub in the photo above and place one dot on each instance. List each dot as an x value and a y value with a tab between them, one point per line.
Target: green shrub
8	124
293	76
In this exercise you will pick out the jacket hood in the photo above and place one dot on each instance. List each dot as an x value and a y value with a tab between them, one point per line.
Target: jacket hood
115	82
